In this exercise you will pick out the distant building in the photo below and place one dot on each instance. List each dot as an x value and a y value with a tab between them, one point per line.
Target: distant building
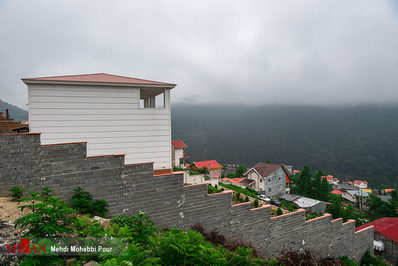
361	184
212	165
7	123
270	179
331	180
178	153
386	232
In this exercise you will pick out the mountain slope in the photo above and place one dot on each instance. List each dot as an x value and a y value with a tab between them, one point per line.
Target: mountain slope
357	142
15	112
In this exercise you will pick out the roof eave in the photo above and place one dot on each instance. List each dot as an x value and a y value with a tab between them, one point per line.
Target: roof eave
88	83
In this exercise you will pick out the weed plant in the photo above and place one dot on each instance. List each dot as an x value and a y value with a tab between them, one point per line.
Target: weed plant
16	193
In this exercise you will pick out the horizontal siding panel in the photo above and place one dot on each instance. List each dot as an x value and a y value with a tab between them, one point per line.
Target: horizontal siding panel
82	91
101	136
139	152
144	139
95	114
158	145
60	129
101	124
67	106
78	99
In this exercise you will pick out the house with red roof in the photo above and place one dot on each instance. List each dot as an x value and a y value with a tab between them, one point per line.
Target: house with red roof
112	114
337	192
386	232
212	165
178	154
361	184
270	179
331	180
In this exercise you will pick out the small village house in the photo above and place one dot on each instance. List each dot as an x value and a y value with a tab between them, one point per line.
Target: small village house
212	165
270	179
386	237
331	180
113	114
361	184
178	153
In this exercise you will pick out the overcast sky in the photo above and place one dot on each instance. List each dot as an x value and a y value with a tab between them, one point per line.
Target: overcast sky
227	51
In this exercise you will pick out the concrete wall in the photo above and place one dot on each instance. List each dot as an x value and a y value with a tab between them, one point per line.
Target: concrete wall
128	188
390	252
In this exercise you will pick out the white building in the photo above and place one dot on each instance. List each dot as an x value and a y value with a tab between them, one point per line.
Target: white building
113	114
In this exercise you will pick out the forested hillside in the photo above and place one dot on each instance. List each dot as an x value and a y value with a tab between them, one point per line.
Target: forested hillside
355	142
16	113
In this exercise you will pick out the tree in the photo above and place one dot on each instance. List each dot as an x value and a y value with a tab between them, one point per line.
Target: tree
335	207
240	170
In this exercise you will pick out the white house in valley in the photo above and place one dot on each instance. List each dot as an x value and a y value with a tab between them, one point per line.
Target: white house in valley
179	155
113	114
361	184
268	179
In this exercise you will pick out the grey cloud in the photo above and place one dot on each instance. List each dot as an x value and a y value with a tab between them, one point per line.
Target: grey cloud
254	52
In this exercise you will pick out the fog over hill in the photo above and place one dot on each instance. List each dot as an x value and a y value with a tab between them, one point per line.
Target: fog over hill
349	142
15	112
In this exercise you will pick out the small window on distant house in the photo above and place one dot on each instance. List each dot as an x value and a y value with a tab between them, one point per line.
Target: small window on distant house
261	180
269	180
280	178
280	188
269	190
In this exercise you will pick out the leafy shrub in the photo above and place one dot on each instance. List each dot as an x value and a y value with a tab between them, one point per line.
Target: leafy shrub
16	193
255	203
100	208
370	260
279	211
83	202
245	191
212	190
141	227
247	199
50	216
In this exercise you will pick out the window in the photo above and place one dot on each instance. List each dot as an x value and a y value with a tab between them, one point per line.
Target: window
280	178
261	180
152	98
269	180
280	188
269	190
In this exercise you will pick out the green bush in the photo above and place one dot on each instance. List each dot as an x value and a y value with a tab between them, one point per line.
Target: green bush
16	193
50	216
83	202
255	203
279	211
246	191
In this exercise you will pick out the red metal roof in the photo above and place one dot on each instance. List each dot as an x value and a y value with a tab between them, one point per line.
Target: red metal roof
359	182
336	192
99	77
179	144
213	164
388	227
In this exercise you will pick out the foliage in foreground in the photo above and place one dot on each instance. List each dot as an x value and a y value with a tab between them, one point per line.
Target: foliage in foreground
144	243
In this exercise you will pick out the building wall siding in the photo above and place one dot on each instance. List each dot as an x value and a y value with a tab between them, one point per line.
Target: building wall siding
107	118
